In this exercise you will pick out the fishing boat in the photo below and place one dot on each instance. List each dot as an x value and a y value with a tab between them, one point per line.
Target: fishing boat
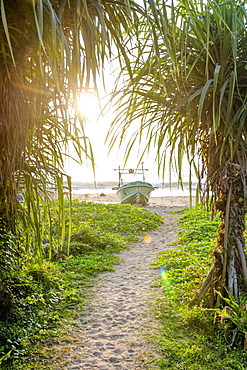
136	192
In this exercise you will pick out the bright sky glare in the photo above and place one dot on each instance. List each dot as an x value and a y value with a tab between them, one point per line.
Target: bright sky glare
96	128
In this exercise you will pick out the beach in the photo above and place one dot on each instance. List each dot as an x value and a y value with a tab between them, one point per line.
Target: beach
168	202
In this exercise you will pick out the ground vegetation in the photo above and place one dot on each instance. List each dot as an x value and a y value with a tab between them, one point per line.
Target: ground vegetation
197	337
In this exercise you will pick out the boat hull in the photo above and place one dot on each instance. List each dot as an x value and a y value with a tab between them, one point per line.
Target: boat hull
137	192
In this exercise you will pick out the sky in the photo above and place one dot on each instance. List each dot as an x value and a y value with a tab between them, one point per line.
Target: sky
96	127
96	130
105	163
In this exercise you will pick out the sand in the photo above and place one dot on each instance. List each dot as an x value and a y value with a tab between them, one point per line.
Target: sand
168	202
115	331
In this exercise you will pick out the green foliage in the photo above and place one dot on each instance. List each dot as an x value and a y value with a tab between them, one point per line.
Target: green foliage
192	95
184	268
189	339
43	52
103	226
4	357
233	318
122	219
43	296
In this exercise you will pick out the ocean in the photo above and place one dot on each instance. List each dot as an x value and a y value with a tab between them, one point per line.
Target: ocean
161	189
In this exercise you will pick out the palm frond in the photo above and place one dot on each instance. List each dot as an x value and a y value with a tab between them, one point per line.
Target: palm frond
190	91
50	51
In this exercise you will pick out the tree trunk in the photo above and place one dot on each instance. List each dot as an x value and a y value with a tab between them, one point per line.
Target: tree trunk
229	271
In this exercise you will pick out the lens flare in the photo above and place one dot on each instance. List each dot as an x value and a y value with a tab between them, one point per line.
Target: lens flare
148	239
164	277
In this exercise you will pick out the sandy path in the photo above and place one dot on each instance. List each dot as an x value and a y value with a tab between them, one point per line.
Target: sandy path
120	318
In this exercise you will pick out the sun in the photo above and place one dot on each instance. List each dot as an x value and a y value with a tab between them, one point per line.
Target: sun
88	105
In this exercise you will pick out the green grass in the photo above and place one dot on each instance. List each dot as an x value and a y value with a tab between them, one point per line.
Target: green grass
188	338
43	298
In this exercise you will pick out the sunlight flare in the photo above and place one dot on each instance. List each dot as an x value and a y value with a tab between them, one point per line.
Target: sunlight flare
148	239
88	105
164	277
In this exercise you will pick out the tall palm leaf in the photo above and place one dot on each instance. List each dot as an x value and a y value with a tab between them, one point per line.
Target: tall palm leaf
189	91
50	50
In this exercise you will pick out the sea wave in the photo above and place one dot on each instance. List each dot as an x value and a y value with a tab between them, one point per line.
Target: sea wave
161	190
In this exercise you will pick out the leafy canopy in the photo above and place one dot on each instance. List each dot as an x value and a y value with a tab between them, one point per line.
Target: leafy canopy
188	90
